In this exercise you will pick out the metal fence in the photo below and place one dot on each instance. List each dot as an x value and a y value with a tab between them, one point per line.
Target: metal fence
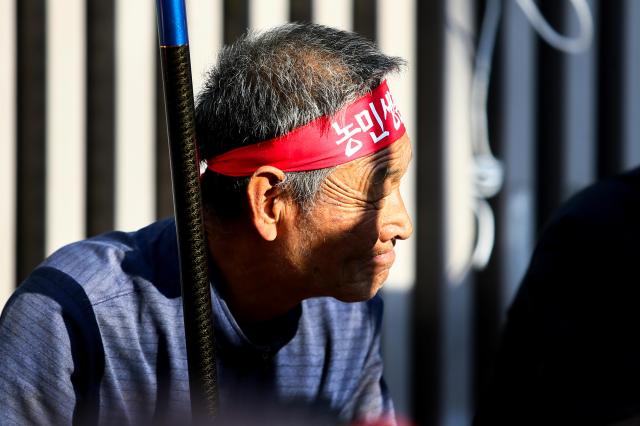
83	148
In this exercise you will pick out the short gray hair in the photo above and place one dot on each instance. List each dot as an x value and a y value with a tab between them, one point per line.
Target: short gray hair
267	84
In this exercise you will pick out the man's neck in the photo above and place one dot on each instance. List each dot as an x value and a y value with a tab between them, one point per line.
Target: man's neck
255	289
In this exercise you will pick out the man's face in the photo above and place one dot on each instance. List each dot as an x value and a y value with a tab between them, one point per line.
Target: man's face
344	246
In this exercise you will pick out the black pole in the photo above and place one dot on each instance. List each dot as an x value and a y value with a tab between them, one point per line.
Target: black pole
192	247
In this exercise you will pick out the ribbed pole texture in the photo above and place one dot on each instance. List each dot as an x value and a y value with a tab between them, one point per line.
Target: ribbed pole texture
192	247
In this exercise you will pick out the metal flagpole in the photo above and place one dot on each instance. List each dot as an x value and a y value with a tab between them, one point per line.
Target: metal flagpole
185	173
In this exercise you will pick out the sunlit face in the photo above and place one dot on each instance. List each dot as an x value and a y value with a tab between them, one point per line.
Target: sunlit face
345	246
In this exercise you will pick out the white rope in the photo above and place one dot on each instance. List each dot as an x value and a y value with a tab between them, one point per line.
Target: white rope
561	42
488	171
485	235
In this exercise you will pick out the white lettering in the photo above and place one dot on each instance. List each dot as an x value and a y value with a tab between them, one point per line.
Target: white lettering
385	133
390	107
353	145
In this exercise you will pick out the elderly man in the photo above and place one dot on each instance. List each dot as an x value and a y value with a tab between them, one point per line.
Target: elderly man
305	151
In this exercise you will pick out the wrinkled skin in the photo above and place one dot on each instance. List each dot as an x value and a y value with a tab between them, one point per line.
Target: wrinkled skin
345	245
278	255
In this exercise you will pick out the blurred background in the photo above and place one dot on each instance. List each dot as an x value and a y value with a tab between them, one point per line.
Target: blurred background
512	105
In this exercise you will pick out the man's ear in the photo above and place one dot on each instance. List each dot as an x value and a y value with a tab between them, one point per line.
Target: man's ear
266	204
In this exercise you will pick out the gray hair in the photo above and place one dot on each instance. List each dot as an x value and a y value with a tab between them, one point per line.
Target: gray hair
267	84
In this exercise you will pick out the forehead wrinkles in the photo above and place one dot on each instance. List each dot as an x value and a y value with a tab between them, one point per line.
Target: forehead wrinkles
387	165
360	178
343	186
367	176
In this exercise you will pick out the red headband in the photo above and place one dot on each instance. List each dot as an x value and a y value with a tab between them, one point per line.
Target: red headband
363	127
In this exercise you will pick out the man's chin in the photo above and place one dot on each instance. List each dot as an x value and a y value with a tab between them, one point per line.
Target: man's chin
361	292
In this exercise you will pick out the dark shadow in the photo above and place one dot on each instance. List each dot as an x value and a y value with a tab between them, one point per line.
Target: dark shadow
163	366
86	345
569	350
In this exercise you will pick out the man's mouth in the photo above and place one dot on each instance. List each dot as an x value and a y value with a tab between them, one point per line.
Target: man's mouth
384	259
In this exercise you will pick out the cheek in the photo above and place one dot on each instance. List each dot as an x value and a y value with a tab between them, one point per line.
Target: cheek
334	237
359	231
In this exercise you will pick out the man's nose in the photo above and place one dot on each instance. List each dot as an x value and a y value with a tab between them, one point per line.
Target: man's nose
396	221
